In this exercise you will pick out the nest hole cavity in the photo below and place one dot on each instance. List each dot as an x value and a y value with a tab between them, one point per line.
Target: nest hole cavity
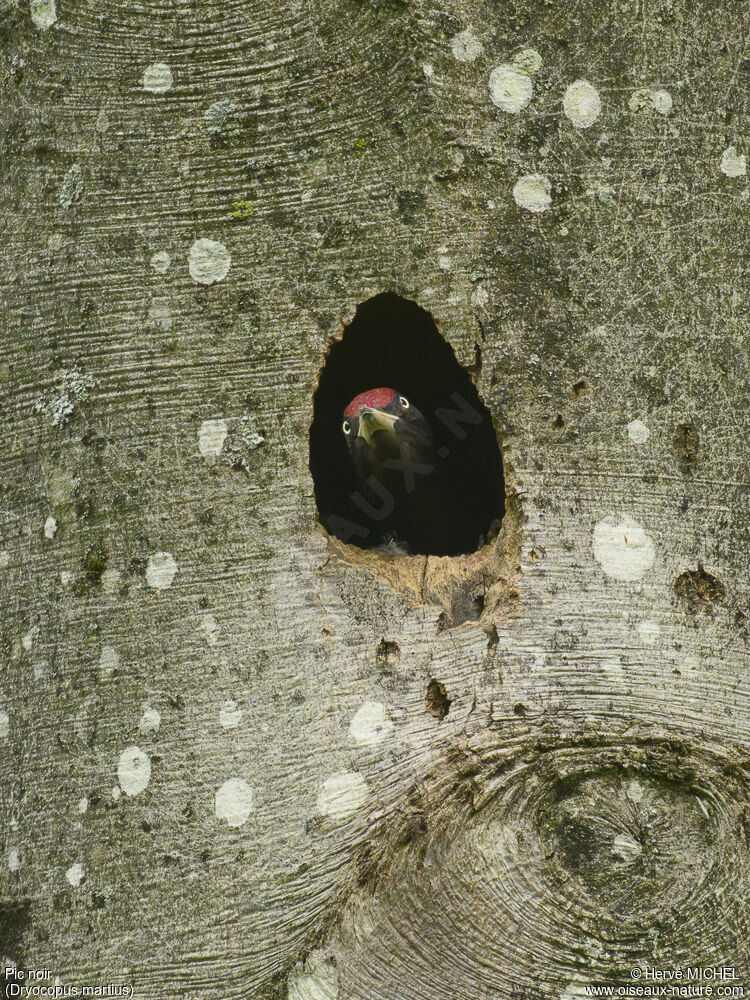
427	477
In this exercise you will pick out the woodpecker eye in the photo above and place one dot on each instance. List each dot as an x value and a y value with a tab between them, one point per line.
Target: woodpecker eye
346	427
404	402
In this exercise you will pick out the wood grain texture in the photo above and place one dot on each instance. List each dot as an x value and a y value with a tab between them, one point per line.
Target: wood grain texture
583	807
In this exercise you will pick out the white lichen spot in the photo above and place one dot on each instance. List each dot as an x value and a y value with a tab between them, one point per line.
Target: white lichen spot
209	630
111	580
14	859
28	640
533	192
230	715
4	559
480	296
649	631
157	78
4	725
638	432
315	979
220	119
582	104
234	802
150	720
465	46
603	193
83	805
133	770
622	548
109	661
733	164
116	793
160	261
60	403
50	527
429	70
625	847
645	101
634	791
160	571
66	577
342	795
74	874
211	437
43	13
528	60
71	188
160	314
370	724
208	262
102	121
444	263
510	88
62	487
42	671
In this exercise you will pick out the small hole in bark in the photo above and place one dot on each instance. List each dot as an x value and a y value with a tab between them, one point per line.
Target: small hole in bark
687	443
419	471
699	589
467	605
519	709
436	701
493	639
388	654
558	423
579	388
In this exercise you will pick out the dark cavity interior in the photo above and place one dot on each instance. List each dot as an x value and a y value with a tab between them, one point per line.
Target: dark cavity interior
457	505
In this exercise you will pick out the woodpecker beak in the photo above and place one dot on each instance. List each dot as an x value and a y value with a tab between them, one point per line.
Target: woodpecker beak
371	421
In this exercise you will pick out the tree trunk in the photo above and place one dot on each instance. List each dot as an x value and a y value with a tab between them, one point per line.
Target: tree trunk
241	757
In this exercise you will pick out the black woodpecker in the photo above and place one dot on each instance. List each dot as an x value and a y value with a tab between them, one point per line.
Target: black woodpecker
404	501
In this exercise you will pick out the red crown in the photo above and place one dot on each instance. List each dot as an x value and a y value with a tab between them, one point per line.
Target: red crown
379	398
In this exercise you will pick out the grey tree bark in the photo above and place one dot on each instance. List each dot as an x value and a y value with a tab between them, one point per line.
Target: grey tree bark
222	774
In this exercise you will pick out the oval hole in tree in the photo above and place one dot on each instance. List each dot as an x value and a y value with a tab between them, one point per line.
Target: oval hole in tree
446	502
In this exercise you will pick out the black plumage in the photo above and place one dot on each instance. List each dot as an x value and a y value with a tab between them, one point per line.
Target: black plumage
407	499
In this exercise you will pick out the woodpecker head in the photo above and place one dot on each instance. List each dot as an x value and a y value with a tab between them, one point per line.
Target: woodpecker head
380	427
